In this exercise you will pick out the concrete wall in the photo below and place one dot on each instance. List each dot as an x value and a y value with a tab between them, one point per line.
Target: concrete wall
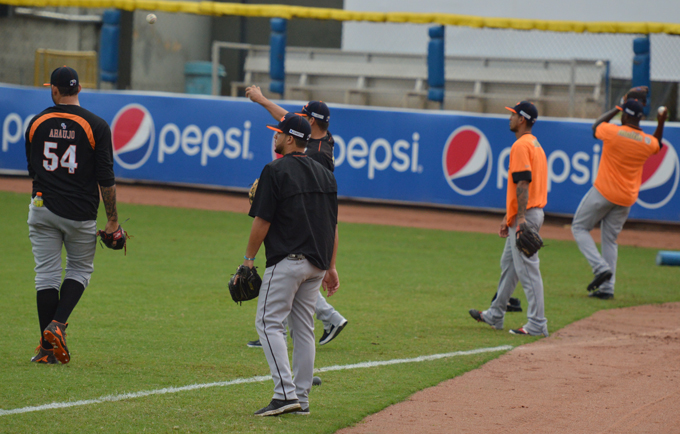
159	51
21	36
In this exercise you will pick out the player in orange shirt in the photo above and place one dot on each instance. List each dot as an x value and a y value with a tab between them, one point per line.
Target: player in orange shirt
527	195
625	149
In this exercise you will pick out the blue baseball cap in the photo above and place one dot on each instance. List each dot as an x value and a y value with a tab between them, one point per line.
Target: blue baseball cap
317	110
525	109
293	125
64	77
632	107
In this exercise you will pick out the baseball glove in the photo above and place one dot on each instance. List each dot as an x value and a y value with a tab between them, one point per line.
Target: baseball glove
514	304
639	93
116	240
528	241
253	189
245	284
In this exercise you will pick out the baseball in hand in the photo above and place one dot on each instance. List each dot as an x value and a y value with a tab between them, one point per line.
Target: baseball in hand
151	18
661	110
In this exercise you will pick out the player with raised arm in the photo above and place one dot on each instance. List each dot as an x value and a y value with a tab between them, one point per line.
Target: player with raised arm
625	149
319	148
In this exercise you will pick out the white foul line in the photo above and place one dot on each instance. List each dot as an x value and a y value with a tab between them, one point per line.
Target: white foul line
124	396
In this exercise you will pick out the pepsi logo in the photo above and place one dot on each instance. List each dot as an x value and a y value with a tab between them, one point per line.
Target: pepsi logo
467	160
132	134
660	176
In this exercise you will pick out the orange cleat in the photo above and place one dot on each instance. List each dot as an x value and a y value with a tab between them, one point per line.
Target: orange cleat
55	334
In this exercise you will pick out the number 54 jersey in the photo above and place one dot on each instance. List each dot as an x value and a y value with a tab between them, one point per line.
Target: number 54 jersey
69	154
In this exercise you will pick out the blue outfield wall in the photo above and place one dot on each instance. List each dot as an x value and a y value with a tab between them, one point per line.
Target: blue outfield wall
424	157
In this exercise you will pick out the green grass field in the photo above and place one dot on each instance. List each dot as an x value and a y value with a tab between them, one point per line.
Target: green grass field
162	317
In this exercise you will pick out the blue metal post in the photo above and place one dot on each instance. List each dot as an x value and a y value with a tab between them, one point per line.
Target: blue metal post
435	64
109	42
642	63
277	55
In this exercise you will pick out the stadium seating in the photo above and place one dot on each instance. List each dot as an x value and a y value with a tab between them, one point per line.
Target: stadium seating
575	88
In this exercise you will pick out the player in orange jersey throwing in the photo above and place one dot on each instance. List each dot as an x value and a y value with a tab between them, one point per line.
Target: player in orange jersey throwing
527	196
625	148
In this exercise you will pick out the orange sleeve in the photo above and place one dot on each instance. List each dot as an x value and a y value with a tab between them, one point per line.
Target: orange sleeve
520	158
605	130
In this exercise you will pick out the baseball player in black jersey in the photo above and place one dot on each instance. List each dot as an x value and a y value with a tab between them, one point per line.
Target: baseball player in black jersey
295	213
320	148
70	159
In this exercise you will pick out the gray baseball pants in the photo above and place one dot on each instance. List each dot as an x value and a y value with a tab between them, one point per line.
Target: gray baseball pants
325	313
595	208
516	267
48	232
289	290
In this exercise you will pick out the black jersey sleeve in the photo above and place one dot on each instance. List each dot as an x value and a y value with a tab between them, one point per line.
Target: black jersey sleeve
266	196
31	172
521	176
103	152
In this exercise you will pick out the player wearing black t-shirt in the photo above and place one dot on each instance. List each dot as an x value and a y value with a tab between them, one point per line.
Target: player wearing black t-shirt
69	155
320	148
295	213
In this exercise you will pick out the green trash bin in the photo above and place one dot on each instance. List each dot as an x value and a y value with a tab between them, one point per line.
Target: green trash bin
198	78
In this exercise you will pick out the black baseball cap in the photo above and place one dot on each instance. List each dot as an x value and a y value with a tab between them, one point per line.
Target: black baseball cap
317	110
64	77
525	109
293	125
632	107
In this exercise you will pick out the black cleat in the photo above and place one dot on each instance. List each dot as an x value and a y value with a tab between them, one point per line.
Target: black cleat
475	314
599	280
601	295
302	412
254	344
44	356
332	333
278	406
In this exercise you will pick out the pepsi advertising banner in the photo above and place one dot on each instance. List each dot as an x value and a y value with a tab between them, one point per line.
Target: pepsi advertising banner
448	159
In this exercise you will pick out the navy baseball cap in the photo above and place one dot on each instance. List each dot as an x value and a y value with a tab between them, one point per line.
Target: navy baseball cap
525	109
632	107
293	125
64	77
317	110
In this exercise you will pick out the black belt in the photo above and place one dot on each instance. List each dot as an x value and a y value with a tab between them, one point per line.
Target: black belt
297	256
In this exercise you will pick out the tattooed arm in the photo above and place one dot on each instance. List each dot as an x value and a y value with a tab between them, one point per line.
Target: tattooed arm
522	199
109	198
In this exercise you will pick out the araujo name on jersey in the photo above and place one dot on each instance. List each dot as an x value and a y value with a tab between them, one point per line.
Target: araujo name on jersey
56	133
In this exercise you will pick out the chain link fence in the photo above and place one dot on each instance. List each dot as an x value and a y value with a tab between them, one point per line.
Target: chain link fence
614	51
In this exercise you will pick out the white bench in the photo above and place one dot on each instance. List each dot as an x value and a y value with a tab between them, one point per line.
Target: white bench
559	87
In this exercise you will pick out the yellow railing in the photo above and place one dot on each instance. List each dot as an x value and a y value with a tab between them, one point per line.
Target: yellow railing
85	62
218	9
